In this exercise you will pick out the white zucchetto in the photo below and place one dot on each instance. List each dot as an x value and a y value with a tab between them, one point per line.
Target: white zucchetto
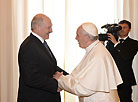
90	28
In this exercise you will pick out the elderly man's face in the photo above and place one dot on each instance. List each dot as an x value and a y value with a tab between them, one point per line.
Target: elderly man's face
81	38
45	28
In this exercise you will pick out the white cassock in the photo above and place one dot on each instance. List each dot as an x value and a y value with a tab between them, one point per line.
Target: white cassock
96	78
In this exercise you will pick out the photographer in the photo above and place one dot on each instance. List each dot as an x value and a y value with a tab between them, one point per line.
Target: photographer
123	49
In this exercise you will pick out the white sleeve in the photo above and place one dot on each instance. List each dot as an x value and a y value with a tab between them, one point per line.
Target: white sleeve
72	85
116	44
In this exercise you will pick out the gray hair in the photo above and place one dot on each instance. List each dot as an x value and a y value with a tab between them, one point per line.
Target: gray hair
93	37
38	19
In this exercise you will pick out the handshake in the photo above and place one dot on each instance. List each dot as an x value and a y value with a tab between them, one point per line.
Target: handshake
56	76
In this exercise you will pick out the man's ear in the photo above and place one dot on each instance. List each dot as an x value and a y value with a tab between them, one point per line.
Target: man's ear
37	27
88	37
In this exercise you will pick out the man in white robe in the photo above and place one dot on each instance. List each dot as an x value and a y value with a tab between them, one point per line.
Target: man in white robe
96	77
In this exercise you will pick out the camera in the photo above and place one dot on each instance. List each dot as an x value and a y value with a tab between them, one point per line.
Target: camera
111	28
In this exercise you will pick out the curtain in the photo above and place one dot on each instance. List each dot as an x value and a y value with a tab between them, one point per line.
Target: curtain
130	13
12	30
8	51
66	16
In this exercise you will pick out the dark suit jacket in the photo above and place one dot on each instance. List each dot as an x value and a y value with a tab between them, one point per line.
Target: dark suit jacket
36	66
123	55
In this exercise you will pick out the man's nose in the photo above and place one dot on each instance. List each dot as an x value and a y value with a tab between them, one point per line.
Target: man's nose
51	30
76	37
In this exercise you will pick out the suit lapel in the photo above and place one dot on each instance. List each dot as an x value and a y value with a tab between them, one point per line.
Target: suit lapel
127	39
40	44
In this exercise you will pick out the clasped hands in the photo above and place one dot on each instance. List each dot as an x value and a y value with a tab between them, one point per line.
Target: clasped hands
56	76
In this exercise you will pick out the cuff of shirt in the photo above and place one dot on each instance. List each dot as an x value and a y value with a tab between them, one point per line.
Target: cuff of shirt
116	44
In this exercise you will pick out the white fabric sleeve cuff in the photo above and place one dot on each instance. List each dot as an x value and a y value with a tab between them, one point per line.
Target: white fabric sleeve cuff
71	85
116	44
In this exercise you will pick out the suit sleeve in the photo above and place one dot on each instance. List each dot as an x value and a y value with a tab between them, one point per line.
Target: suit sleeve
61	70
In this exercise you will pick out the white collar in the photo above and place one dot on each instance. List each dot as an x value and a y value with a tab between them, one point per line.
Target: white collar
39	37
91	46
123	38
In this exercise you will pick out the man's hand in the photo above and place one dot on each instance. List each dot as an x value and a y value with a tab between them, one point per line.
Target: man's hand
57	75
111	38
59	89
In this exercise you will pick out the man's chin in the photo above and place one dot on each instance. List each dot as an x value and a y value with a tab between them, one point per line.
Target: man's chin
81	47
47	37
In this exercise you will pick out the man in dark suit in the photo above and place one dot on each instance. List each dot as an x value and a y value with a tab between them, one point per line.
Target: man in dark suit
37	65
123	51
